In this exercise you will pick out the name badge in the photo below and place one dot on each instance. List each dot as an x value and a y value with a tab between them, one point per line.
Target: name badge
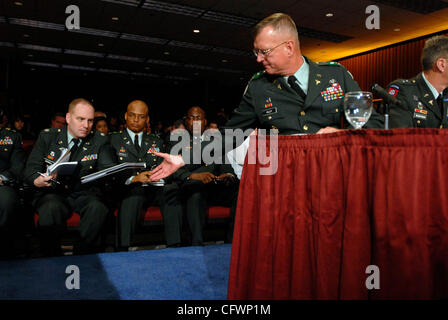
269	111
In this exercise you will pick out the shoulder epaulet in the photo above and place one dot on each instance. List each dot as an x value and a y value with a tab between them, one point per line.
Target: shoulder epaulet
404	81
49	130
9	129
329	63
258	75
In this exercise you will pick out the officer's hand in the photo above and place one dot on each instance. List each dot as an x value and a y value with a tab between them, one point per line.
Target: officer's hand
170	164
205	177
44	181
227	178
328	130
143	177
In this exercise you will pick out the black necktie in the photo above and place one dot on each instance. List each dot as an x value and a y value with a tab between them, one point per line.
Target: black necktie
137	146
440	103
74	148
292	82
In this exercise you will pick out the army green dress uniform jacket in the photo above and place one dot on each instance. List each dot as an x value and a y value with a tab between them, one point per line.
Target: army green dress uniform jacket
270	103
55	204
135	197
197	196
416	106
12	161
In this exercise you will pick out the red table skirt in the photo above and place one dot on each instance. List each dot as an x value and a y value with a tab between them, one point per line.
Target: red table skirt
337	204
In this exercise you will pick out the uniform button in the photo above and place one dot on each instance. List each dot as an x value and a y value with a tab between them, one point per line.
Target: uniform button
441	126
121	158
269	118
337	110
305	127
418	121
91	167
302	113
139	159
6	149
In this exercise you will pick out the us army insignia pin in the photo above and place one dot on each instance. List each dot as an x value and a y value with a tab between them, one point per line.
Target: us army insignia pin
319	75
317	82
430	102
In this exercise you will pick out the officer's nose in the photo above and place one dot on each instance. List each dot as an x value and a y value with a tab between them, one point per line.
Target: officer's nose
260	57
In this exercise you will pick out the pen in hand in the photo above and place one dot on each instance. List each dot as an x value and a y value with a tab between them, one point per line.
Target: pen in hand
45	181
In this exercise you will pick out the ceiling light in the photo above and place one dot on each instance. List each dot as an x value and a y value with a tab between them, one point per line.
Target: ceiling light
397	29
136	37
329	15
41	64
91	62
84	53
173	8
36	24
196	30
229	18
18	3
224	60
38	48
115	18
166	53
96	32
26	35
100	45
189	45
118	57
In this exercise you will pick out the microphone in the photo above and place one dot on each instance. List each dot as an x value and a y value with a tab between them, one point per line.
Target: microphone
387	98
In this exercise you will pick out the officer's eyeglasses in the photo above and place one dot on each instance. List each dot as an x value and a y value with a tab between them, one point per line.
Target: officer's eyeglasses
266	52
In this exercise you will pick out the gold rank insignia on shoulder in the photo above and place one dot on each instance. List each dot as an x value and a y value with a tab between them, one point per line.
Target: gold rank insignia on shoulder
317	81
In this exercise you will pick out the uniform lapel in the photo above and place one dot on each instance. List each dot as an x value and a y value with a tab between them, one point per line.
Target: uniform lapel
316	83
129	143
61	142
426	97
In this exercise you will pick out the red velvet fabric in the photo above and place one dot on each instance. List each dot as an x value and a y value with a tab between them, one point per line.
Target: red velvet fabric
337	204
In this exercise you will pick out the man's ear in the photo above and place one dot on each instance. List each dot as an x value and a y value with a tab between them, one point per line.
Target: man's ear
125	116
441	64
67	117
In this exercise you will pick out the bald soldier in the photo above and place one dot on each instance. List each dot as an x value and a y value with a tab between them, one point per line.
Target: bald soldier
134	145
55	201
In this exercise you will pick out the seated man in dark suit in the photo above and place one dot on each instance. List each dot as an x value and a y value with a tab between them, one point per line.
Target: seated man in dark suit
135	145
55	201
12	161
203	183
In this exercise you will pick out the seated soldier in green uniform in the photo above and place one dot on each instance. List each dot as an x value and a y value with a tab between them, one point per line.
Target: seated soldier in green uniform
201	183
422	102
56	197
12	161
134	145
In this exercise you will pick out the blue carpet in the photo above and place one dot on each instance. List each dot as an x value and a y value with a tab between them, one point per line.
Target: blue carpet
190	273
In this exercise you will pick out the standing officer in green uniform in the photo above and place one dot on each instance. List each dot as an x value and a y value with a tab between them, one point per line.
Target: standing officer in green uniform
12	161
134	145
292	95
55	201
422	102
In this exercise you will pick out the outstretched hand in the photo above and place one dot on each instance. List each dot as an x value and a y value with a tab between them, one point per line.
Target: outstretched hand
170	164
